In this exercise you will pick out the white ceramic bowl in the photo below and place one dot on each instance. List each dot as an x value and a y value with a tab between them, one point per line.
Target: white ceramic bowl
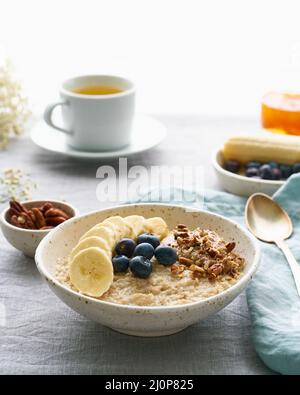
241	185
27	240
137	320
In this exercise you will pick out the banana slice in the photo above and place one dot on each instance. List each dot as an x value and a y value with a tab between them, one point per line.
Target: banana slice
92	241
91	272
114	228
85	235
125	229
105	231
157	226
137	222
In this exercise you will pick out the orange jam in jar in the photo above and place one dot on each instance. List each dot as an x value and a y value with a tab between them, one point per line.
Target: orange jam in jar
281	113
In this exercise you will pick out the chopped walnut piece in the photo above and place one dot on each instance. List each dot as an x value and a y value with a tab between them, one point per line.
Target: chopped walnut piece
182	226
212	252
196	275
182	234
177	269
195	268
205	249
205	240
185	261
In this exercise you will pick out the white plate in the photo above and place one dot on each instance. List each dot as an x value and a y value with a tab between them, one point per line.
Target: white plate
241	185
147	133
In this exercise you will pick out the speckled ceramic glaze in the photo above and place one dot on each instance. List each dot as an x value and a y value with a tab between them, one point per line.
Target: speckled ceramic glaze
27	240
137	320
242	185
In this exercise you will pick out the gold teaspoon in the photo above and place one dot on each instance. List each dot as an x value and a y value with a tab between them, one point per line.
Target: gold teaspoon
270	223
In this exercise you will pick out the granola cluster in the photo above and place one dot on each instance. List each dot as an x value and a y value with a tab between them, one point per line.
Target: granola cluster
204	253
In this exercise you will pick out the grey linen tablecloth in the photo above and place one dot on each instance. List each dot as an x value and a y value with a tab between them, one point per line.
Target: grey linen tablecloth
41	335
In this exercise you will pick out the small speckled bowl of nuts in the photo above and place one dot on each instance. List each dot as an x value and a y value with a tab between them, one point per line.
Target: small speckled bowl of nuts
25	224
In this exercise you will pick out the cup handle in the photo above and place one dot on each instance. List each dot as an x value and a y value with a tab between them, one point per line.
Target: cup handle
48	116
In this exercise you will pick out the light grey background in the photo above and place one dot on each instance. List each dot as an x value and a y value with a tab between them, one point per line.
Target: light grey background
39	334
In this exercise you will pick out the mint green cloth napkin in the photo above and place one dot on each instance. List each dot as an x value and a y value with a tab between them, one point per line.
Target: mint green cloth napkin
273	301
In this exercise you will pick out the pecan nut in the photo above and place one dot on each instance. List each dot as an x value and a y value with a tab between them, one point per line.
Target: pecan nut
39	218
54	221
25	220
45	207
18	207
14	221
230	246
215	269
56	212
12	211
44	217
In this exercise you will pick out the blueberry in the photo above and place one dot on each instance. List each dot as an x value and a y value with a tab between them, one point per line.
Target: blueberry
276	173
273	165
265	172
252	164
120	263
140	266
165	255
232	165
286	171
144	249
125	247
296	168
149	238
252	172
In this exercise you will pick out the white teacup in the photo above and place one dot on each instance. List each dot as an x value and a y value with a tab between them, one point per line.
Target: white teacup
100	122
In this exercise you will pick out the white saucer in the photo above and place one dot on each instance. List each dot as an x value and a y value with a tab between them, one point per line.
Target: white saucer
147	133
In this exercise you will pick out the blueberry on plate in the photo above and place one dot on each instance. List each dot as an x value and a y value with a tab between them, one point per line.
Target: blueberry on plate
265	172
125	247
296	168
252	164
120	263
286	171
144	249
273	165
165	255
276	173
140	266
149	238
232	165
252	172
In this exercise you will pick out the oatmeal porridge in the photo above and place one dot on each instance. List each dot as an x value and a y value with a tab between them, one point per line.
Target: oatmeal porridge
145	264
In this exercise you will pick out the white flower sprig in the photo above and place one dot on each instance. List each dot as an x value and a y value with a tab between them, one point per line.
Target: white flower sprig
14	110
15	185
